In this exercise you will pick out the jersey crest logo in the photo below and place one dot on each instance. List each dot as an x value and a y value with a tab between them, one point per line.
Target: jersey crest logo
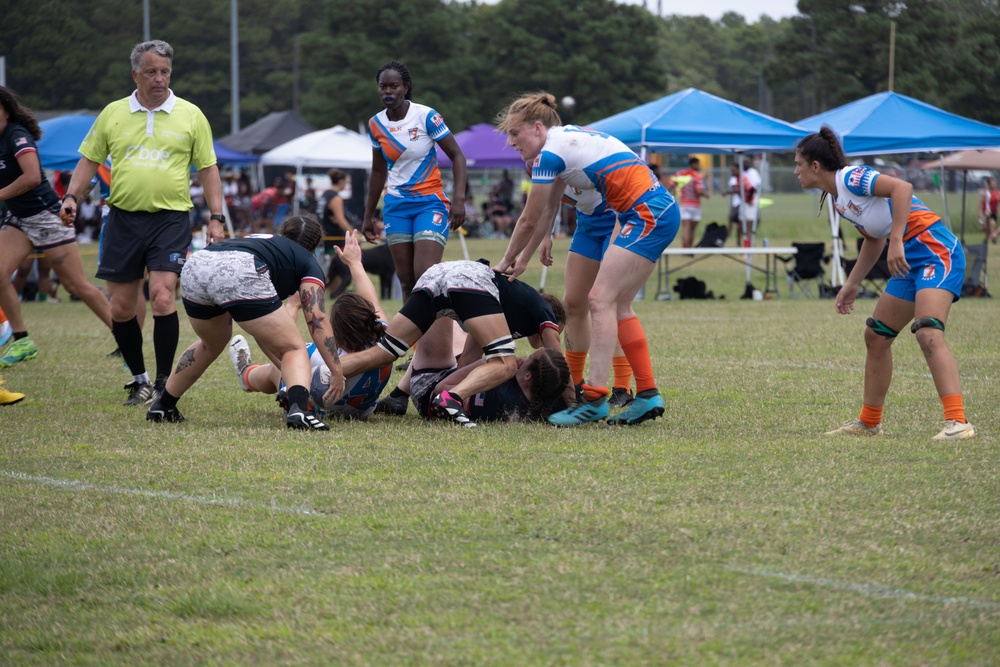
853	208
928	273
414	134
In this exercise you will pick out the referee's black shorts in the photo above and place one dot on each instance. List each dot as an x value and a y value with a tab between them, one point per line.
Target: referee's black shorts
136	241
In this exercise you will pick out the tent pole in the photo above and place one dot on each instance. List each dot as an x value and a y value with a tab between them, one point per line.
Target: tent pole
965	183
838	270
944	194
295	191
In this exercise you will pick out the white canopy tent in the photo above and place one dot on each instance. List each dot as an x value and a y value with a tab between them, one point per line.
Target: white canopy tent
324	149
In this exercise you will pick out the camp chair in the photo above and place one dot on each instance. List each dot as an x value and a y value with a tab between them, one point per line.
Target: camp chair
807	265
879	274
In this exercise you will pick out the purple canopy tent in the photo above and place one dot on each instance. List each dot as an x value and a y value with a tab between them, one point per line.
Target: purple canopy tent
484	148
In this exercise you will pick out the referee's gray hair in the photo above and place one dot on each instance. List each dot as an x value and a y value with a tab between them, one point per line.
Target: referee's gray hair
156	46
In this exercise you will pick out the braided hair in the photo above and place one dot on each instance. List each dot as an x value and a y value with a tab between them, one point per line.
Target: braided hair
549	377
399	68
825	148
18	113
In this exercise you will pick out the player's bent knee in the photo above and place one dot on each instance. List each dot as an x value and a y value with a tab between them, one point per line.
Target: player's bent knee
501	347
926	323
881	328
392	345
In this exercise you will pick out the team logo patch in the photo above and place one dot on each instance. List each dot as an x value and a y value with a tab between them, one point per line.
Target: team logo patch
23	141
177	258
437	120
627	229
928	273
438	218
414	134
853	208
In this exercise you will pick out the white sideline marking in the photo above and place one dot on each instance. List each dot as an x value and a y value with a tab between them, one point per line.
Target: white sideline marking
873	590
75	485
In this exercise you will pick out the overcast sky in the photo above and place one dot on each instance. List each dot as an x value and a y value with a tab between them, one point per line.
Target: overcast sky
714	9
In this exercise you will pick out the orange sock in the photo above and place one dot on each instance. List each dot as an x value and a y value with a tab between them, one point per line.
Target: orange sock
246	376
623	372
576	362
592	393
632	338
871	417
954	409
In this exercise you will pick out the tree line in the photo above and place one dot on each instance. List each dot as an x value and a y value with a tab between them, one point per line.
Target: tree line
469	59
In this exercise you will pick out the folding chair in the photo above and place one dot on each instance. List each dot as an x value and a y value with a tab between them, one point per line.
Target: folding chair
807	267
879	274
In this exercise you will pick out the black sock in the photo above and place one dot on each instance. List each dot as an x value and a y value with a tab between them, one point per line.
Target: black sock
649	393
398	393
298	396
168	401
18	335
128	335
166	333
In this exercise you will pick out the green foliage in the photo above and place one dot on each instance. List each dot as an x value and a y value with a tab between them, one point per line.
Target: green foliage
468	59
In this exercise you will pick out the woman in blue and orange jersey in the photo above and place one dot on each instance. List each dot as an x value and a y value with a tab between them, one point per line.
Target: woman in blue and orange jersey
416	212
927	265
568	155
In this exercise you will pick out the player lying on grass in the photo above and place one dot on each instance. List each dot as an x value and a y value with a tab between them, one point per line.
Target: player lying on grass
472	293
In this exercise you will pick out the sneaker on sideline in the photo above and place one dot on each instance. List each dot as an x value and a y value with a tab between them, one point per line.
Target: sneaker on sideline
157	413
303	421
18	351
620	397
639	410
392	406
954	430
139	393
581	413
856	427
448	406
239	355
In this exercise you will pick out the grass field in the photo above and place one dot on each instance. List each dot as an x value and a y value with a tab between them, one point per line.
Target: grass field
730	531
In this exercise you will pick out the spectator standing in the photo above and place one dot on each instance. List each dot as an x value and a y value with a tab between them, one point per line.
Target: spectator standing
988	202
153	138
691	190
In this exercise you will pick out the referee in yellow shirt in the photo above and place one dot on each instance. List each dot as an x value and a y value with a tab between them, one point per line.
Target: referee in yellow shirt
153	138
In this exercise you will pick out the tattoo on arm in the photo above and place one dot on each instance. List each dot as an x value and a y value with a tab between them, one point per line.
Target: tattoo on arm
186	360
331	346
313	307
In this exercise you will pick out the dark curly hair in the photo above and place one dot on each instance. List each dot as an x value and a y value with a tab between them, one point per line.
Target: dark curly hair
18	113
400	68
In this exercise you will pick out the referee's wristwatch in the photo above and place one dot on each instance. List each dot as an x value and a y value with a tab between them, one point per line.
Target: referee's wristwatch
216	216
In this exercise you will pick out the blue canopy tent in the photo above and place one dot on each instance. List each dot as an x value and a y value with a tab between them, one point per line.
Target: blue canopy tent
887	123
693	121
60	138
226	155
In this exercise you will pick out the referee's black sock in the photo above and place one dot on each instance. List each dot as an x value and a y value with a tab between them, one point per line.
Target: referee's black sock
166	333
128	335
